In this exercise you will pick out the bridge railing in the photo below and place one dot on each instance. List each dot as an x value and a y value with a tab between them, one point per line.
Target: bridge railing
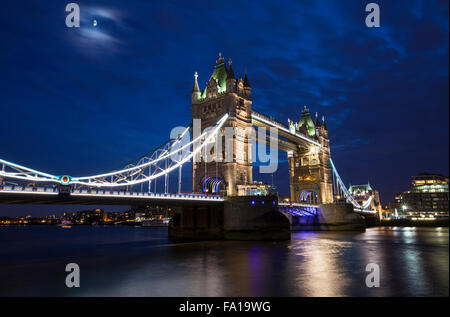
271	119
292	204
27	189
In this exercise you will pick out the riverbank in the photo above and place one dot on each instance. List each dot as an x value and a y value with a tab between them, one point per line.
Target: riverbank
127	224
383	223
414	223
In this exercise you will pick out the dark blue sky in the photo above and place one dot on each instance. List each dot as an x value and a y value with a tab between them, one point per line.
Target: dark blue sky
86	100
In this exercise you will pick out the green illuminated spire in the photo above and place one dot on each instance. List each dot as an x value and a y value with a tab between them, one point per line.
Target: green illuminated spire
220	74
307	122
203	96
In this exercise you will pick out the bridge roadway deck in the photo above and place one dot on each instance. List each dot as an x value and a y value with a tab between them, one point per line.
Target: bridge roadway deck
30	195
51	196
290	141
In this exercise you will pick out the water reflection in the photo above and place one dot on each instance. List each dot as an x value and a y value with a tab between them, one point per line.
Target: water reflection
143	262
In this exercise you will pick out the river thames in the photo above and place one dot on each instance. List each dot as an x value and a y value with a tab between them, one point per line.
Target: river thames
140	261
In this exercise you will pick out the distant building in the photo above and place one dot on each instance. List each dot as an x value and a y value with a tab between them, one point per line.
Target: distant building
385	213
114	217
362	193
254	189
140	216
95	216
428	198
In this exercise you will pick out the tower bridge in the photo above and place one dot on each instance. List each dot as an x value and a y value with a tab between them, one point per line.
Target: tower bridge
225	102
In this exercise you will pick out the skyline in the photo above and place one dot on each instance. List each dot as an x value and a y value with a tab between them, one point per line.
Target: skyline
379	89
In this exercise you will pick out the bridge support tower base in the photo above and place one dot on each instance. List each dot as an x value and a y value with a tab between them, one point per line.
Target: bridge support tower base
255	218
197	223
238	218
331	217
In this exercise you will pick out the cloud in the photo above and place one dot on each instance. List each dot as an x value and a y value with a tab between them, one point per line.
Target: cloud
105	36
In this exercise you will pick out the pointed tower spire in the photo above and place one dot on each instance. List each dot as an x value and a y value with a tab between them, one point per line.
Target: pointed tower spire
246	82
230	70
220	74
220	59
196	88
323	122
306	122
317	120
195	93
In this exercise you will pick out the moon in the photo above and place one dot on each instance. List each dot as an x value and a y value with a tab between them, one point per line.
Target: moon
94	23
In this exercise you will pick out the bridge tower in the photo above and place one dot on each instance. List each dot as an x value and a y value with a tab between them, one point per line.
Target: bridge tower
309	168
224	94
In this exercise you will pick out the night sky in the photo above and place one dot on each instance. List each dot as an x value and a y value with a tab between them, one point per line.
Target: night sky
85	100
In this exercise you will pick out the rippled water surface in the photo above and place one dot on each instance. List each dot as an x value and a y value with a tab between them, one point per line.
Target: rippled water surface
134	261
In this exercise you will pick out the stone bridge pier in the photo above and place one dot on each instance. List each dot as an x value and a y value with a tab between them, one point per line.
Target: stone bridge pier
257	218
238	218
330	217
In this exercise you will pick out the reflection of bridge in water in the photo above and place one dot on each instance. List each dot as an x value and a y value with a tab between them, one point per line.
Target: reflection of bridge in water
224	103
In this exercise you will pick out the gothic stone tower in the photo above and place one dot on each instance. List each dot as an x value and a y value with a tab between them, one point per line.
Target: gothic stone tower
224	94
310	168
